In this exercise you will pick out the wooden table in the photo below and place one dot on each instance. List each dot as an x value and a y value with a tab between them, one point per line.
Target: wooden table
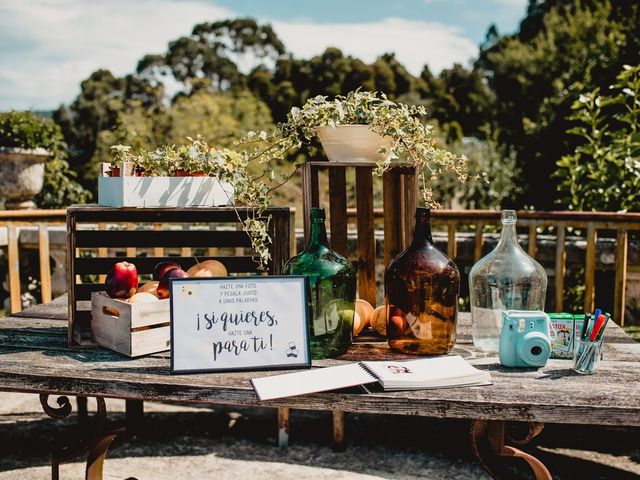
34	358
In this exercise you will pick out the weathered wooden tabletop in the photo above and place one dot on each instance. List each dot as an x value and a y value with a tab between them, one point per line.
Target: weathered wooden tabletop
34	358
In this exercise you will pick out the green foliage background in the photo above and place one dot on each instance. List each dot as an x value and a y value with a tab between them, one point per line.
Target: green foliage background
517	100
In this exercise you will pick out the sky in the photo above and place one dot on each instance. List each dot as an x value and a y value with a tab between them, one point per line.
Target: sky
47	47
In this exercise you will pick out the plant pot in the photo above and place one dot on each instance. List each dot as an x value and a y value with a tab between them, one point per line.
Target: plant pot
21	176
353	143
185	173
114	172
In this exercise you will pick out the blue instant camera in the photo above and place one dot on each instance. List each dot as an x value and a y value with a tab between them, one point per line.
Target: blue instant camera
525	339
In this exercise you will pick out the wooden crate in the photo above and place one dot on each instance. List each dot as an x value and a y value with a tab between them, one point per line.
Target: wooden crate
132	329
144	237
160	192
399	203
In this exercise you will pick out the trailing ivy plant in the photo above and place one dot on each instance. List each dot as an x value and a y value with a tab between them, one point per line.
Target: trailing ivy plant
412	140
224	164
603	173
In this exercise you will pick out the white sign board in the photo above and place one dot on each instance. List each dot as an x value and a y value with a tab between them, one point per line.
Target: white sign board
239	323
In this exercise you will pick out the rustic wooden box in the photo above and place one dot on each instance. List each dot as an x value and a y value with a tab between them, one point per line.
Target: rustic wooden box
146	236
132	329
160	192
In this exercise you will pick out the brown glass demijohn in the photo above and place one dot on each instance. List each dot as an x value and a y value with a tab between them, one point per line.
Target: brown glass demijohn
421	295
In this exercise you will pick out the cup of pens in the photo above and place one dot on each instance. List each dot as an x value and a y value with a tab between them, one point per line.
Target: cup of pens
588	346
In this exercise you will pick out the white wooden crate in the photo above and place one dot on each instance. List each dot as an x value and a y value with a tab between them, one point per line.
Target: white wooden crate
158	192
132	329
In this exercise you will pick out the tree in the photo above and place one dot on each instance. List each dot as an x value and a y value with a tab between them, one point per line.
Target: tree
603	172
537	73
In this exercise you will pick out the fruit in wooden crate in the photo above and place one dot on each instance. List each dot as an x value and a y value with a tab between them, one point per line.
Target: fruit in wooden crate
379	320
163	267
164	290
208	268
143	297
149	287
122	280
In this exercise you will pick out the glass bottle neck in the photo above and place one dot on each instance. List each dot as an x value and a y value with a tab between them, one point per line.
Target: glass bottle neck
421	233
508	237
318	233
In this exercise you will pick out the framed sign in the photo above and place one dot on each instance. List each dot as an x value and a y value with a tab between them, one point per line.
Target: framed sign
239	323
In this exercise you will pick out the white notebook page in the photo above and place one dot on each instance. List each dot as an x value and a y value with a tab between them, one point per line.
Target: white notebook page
310	381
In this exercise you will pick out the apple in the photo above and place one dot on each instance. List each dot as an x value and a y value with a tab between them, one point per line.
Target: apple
162	268
163	286
122	280
143	297
149	287
208	268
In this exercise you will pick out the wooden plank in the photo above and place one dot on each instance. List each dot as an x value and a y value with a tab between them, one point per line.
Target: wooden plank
293	241
131	251
393	215
452	246
45	262
146	265
560	266
310	195
283	427
479	241
71	275
338	210
590	269
280	233
619	296
366	236
95	214
102	252
166	238
186	251
533	237
338	430
409	205
14	268
159	251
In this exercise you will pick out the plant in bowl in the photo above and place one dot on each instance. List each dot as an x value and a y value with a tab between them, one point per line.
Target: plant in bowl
228	166
362	126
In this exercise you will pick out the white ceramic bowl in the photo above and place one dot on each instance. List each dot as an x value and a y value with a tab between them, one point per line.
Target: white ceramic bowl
353	143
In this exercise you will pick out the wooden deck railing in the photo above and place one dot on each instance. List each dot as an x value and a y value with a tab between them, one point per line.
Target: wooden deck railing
590	222
41	219
452	220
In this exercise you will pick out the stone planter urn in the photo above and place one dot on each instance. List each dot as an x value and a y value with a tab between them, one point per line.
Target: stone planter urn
21	176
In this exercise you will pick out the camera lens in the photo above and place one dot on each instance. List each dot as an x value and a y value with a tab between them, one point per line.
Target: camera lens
536	350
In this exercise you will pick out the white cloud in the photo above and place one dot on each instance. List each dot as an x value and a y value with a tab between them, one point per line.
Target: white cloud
63	41
414	42
47	47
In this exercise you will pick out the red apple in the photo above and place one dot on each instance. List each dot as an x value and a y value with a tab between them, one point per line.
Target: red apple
162	268
122	280
163	286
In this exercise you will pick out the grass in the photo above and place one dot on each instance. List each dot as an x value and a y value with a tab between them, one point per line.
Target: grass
633	331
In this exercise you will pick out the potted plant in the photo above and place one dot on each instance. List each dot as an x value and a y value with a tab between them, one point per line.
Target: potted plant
362	126
228	167
26	142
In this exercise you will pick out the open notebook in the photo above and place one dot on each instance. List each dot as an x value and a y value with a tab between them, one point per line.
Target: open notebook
437	372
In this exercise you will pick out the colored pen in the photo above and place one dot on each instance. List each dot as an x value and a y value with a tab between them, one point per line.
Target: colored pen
585	324
601	332
597	326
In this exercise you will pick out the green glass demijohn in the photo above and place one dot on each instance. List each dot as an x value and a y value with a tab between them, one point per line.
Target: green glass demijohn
332	279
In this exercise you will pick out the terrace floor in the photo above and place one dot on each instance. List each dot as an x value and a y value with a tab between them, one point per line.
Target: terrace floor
231	443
